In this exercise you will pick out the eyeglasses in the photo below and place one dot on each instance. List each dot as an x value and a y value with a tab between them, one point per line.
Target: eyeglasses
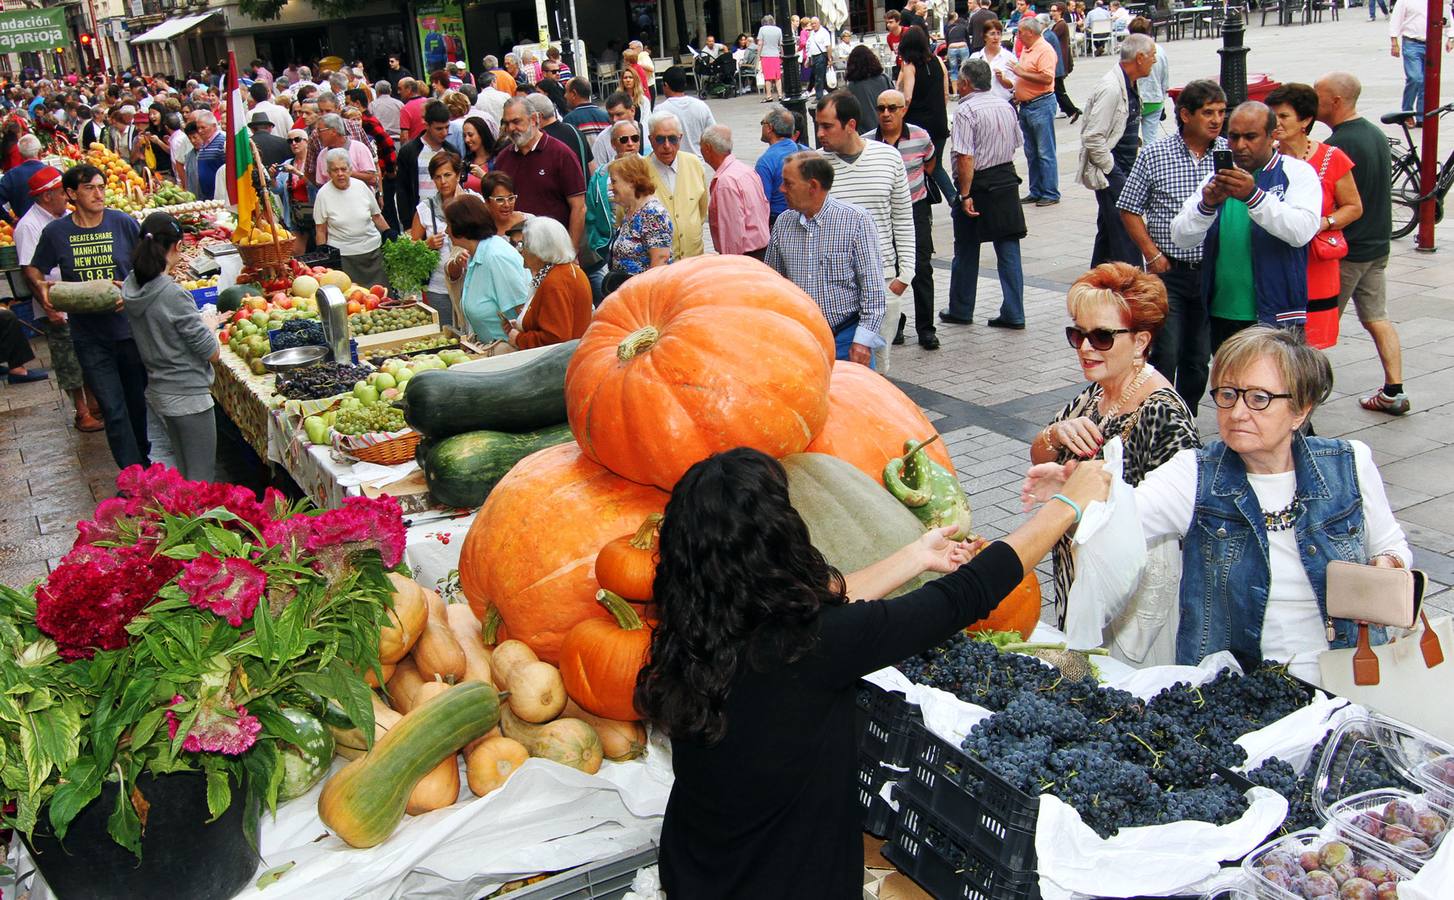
1100	338
1255	398
666	139
888	108
297	140
629	139
503	199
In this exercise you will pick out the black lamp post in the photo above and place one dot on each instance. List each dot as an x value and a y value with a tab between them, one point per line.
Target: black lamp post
792	82
1234	58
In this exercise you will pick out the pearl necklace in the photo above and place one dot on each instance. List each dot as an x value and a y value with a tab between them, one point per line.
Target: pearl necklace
1130	391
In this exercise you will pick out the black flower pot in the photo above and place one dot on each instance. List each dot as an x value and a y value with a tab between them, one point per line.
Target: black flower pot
182	854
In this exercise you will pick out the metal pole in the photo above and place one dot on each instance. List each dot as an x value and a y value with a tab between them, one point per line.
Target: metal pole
1234	59
96	40
1429	164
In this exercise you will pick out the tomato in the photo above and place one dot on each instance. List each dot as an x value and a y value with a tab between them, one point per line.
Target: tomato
241	314
372	302
379	291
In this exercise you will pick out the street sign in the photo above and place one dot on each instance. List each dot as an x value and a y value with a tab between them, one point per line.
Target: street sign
36	29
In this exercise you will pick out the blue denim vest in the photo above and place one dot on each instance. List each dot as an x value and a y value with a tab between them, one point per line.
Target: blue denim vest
1225	570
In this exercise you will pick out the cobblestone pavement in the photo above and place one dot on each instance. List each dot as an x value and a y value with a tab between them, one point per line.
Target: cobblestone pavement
989	391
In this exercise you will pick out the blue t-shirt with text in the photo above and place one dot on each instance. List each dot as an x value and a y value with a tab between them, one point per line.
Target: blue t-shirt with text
102	253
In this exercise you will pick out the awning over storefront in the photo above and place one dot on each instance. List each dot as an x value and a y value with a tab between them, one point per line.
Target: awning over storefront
170	29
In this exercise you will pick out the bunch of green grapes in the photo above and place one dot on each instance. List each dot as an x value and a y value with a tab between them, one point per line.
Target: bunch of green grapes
366	419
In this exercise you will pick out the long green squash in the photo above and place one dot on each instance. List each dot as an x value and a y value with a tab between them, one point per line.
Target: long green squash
462	469
101	297
364	801
444	402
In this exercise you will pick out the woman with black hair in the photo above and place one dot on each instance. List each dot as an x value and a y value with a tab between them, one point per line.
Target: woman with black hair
175	345
925	84
866	80
754	665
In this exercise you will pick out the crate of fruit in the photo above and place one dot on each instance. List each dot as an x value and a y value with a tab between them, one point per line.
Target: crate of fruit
439	344
392	323
1311	863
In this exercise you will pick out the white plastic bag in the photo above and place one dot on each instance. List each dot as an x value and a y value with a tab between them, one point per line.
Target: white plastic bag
1110	553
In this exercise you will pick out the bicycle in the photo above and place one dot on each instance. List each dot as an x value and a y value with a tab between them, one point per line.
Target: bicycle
1405	179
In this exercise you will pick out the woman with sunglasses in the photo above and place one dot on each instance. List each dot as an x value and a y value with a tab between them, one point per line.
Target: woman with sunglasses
297	192
1116	310
1262	511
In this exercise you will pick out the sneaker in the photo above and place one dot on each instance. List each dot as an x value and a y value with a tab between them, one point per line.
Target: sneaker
1381	402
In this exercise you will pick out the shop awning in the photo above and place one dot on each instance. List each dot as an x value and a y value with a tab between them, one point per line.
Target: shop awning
170	29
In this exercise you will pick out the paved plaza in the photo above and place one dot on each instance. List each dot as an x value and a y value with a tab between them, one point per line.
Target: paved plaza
989	391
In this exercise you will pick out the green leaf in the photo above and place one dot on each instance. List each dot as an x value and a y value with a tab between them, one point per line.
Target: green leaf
81	785
50	740
348	688
219	792
124	825
262	626
182	552
272	875
38	653
146	727
27	811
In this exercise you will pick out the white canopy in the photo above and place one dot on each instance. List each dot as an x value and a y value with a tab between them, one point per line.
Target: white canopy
173	27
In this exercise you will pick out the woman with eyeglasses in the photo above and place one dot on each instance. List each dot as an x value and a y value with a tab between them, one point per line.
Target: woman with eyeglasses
495	279
1000	58
1263	510
498	189
1115	311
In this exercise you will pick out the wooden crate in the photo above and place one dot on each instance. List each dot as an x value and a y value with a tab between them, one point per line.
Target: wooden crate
367	341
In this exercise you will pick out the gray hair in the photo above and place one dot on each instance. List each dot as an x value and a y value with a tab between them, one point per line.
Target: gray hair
520	102
280	84
781	121
491	62
528	56
976	73
334	123
719	138
661	120
29	146
540	105
625	123
1133	45
382	88
337	154
768	20
327	97
1306	373
1032	25
510	57
339	82
304	72
549	240
204	117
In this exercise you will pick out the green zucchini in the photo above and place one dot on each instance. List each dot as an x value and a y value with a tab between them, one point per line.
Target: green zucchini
98	296
445	402
305	763
461	470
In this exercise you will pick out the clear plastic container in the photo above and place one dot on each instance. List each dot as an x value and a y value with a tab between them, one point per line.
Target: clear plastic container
1402	825
1283	869
1437	776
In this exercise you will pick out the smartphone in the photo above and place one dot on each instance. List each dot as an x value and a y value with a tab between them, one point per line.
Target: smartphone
1222	159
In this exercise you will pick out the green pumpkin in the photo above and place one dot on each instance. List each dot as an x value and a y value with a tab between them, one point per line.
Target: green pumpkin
851	519
930	491
305	763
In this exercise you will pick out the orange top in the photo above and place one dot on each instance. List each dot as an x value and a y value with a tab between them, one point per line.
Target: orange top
560	310
1040	59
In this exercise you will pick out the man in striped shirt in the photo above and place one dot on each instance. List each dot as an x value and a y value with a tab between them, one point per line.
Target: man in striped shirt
830	249
871	175
917	150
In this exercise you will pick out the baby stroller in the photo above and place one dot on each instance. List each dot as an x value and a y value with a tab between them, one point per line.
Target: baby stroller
716	78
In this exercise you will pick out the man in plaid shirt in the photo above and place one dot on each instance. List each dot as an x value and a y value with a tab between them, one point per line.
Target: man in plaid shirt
830	249
1166	172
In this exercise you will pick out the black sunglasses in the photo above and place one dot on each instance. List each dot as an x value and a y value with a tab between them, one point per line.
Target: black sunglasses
628	139
666	139
1100	338
1255	398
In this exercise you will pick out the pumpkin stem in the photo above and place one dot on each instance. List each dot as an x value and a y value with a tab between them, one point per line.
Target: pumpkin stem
645	537
913	447
491	625
619	609
637	342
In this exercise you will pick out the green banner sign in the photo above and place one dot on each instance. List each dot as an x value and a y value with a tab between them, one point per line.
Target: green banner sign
37	29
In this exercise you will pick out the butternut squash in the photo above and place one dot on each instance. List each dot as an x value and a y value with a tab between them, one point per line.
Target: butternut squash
466	629
437	653
569	742
506	657
406	619
404	685
619	740
493	760
363	802
440	788
372	680
537	693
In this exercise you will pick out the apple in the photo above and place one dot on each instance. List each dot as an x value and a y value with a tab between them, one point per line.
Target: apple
371	301
379	291
383	380
278	297
403	375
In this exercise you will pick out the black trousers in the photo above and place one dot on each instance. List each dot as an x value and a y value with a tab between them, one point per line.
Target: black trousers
14	348
1113	243
923	283
1182	350
1067	105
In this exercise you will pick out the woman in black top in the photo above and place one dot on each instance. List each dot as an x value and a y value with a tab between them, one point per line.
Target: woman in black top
923	80
754	666
866	80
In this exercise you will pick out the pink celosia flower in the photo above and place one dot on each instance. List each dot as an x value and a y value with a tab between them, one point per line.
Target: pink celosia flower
291	534
229	730
362	524
85	604
228	587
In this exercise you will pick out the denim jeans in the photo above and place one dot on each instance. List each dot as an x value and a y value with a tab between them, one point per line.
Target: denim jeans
1379	4
1037	122
116	375
1112	243
1413	57
596	274
1182	350
820	75
1151	126
957	56
964	273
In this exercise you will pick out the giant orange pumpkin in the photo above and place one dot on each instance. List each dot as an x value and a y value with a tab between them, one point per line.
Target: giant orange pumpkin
532	548
1018	612
694	358
868	421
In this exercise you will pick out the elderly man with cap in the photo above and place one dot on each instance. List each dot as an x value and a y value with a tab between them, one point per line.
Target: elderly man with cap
271	148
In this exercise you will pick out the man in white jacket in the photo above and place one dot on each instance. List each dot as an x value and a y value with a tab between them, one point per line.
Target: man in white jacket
1254	221
1110	135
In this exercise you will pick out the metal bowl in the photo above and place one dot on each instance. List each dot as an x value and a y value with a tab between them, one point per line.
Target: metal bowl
294	358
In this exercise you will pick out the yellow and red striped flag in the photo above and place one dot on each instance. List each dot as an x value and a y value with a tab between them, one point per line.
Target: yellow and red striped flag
241	174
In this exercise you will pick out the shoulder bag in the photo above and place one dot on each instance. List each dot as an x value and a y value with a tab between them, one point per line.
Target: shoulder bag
1330	243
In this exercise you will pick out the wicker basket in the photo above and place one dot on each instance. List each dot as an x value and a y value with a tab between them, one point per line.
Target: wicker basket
389	453
267	255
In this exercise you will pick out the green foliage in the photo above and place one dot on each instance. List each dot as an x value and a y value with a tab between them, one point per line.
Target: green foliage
409	264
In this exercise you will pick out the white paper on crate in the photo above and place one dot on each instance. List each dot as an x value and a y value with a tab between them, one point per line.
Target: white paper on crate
1157	859
1293	737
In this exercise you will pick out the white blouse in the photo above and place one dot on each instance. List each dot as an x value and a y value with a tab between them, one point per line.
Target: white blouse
1292	627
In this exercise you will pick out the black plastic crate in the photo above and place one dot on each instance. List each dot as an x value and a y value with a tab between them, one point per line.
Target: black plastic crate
932	852
876	813
327	256
886	725
996	817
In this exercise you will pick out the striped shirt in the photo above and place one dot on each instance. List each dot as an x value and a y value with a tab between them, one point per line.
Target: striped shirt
1164	175
916	147
834	258
877	182
986	129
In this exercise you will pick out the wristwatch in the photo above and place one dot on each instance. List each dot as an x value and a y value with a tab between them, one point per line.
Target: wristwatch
1329	220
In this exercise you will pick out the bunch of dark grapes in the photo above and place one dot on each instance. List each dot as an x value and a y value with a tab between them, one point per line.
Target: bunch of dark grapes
1360	766
297	333
976	672
1217	802
321	380
1231	705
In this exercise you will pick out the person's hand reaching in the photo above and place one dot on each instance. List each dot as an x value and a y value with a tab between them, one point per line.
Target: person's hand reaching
940	553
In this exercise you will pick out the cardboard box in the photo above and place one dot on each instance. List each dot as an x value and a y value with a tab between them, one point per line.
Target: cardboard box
366	341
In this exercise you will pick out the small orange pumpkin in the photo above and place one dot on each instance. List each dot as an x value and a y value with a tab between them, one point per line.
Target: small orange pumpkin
1020	611
627	566
600	659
